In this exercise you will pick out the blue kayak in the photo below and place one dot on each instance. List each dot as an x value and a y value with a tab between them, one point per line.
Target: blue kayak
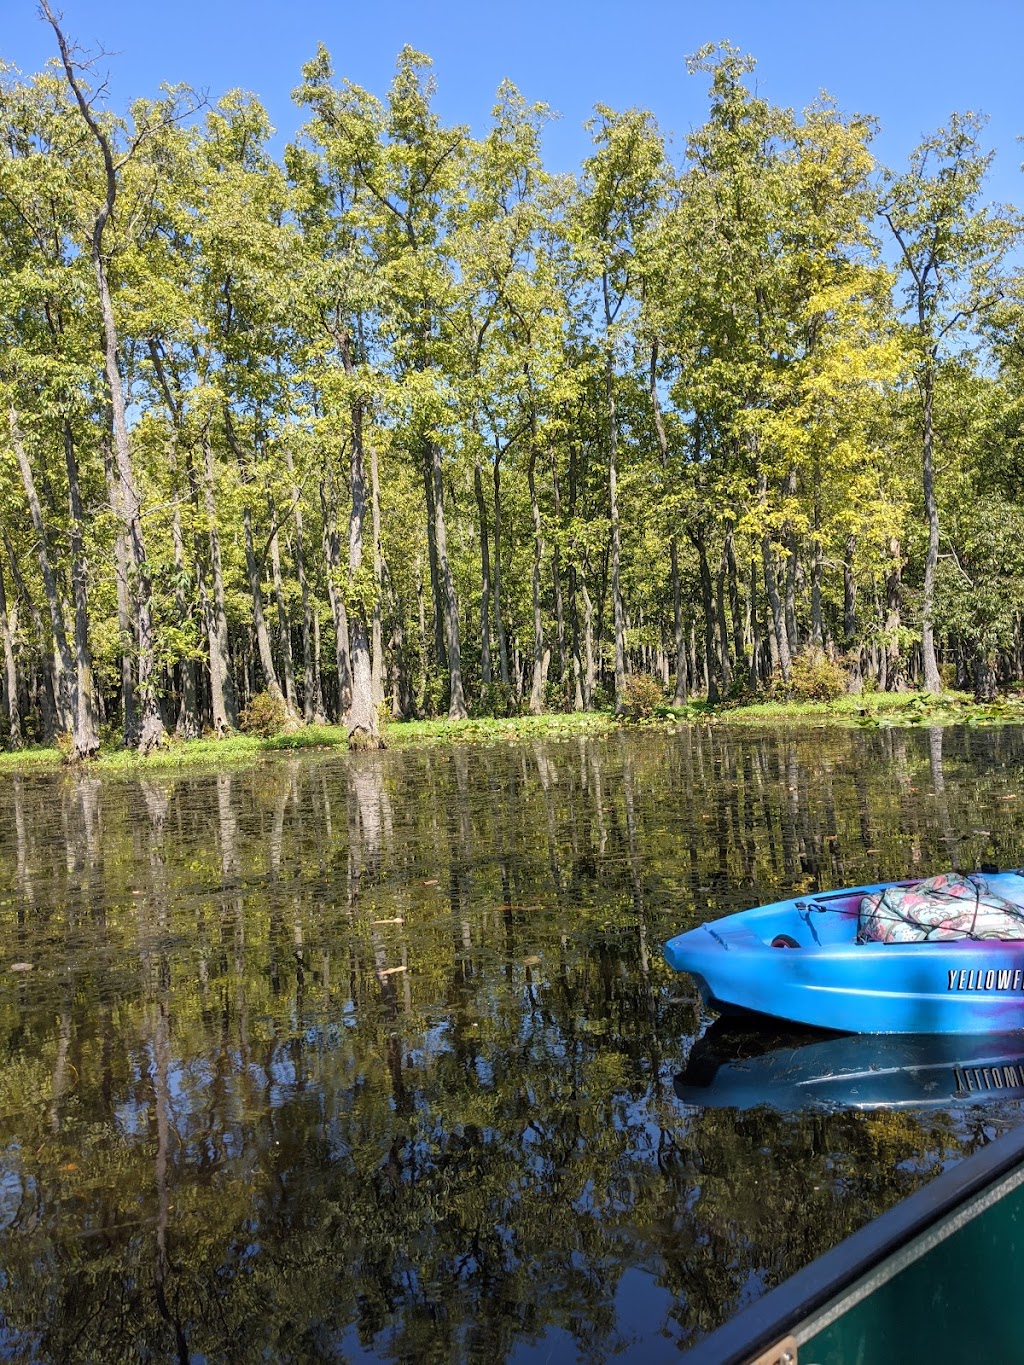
741	1068
800	960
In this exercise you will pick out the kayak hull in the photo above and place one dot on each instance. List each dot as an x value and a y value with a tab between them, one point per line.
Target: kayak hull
828	980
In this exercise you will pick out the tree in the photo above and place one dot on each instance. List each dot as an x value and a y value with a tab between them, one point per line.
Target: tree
619	191
407	167
342	288
47	357
148	121
952	248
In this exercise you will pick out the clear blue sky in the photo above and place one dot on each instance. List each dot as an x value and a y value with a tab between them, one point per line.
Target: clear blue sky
908	62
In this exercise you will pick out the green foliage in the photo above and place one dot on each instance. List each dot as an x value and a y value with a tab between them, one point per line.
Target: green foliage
497	730
435	694
495	699
65	745
642	695
264	717
815	676
639	392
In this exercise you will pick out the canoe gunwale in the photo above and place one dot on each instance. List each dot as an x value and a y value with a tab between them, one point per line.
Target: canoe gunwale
808	1300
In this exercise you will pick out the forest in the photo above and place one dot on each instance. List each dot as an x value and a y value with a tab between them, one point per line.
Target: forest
400	423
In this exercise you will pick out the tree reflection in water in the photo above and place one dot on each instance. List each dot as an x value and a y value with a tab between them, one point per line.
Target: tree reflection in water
371	1057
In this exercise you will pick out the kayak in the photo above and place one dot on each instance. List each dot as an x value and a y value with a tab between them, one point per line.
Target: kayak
805	961
742	1068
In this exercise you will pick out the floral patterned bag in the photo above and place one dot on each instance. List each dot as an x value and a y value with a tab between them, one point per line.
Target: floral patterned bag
949	906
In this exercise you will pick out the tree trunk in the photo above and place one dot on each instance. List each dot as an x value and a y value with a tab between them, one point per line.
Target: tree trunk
376	626
312	696
708	603
363	732
742	663
224	702
440	661
332	554
771	588
283	624
724	664
537	683
499	621
678	631
457	700
128	505
575	644
64	671
693	655
790	571
893	665
188	717
187	726
760	666
556	573
589	666
618	614
851	645
817	634
85	739
849	596
126	636
421	636
984	677
679	694
10	671
47	700
932	680
252	570
485	574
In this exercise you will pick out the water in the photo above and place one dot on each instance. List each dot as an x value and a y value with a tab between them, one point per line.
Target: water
373	1058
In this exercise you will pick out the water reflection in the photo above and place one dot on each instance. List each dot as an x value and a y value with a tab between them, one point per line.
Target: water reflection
373	1057
741	1066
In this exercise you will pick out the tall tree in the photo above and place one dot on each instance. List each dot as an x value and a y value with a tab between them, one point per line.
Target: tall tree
952	248
116	154
619	191
407	167
47	353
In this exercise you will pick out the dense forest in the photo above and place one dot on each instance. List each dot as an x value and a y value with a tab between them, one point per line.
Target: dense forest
400	423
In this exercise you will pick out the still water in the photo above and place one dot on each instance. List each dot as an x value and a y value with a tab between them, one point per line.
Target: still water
375	1058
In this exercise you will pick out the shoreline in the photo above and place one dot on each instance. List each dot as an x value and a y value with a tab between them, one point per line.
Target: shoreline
879	710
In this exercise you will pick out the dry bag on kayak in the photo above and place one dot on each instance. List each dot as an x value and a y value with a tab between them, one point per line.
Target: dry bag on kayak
949	906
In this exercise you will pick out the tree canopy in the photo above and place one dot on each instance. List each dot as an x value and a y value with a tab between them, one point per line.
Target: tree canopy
398	422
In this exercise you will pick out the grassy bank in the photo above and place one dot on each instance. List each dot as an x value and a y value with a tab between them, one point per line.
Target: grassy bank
869	710
236	749
242	749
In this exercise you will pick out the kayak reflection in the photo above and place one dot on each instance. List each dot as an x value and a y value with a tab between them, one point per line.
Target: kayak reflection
740	1066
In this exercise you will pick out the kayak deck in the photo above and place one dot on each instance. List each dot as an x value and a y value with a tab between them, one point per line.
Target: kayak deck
825	978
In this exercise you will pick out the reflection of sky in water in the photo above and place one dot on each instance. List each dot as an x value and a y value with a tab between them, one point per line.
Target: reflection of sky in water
132	1118
13	1187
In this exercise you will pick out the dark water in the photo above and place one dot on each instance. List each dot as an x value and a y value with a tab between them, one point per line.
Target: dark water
374	1058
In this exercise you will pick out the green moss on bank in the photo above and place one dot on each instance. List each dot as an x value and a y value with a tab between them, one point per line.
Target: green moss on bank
487	730
869	710
195	753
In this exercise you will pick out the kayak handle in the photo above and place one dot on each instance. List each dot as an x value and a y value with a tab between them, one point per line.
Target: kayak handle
784	941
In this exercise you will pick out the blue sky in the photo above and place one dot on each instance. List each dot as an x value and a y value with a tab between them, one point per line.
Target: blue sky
909	64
